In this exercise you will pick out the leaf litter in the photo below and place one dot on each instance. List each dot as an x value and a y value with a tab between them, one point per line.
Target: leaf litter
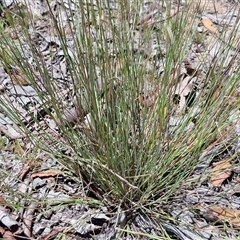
43	225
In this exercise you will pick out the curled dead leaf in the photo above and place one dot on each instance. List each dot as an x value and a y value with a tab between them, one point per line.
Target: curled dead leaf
46	173
29	219
7	220
148	101
26	168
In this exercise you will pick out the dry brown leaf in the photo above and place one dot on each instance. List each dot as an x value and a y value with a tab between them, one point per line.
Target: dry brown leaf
209	25
5	234
191	71
28	220
220	172
4	205
184	87
46	173
223	164
2	200
148	101
227	214
220	178
148	19
26	168
17	75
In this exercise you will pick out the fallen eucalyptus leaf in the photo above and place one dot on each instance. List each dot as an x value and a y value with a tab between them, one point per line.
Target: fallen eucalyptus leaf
220	172
227	214
209	25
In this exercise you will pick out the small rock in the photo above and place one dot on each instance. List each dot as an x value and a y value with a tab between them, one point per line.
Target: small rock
200	29
38	183
38	228
85	228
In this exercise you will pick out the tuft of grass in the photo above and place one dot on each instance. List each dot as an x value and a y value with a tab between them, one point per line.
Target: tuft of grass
128	154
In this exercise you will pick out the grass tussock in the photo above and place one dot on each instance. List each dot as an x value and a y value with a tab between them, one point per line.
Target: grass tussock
129	153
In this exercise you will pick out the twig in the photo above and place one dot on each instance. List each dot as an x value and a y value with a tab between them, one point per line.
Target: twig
29	218
119	177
